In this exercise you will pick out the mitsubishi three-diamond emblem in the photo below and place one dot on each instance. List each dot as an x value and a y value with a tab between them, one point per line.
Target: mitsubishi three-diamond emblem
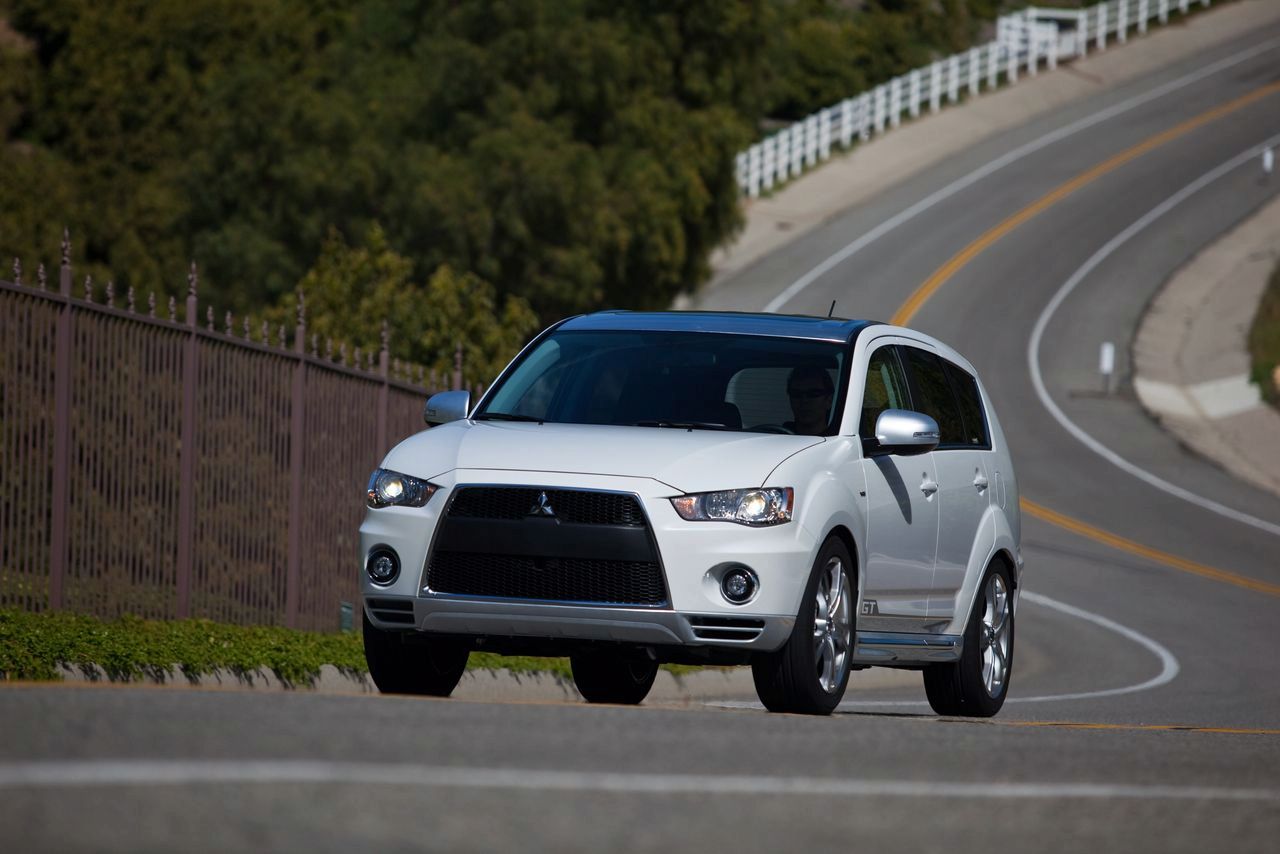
542	507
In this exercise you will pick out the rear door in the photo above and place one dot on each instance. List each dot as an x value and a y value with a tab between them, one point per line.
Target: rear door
942	390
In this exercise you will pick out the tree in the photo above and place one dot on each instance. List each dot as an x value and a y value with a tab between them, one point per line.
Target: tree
352	290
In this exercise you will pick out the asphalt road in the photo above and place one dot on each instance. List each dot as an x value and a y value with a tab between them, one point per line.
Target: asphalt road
1115	644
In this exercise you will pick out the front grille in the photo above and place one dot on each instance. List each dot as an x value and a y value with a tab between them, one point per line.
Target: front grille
573	506
556	579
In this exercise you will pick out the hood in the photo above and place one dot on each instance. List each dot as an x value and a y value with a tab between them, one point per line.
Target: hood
688	460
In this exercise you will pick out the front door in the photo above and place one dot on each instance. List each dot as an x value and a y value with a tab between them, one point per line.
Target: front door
902	512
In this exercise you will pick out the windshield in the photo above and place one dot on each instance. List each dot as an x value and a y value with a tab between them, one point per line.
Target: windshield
705	381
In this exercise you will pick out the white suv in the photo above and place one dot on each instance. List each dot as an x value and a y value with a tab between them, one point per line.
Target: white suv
804	495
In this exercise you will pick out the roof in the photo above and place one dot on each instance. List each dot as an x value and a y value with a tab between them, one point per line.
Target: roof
729	322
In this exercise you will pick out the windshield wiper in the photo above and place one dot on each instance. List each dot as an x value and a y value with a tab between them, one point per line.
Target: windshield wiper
684	425
505	416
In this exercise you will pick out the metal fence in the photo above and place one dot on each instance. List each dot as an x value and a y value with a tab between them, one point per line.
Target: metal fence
1024	42
158	466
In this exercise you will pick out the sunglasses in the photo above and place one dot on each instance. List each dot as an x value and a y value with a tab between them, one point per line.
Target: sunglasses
809	393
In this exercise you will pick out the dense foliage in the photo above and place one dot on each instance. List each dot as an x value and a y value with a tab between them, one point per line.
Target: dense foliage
571	154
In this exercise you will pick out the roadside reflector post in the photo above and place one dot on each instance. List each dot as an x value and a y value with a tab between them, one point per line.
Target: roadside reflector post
1268	161
1107	365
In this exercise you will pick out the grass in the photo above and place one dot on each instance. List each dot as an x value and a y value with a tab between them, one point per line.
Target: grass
1264	340
33	646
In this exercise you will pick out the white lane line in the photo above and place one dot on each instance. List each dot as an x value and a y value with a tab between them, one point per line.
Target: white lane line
1168	663
127	772
1037	334
1004	160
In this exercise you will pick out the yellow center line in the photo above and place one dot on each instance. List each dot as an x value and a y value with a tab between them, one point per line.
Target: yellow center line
943	274
1053	517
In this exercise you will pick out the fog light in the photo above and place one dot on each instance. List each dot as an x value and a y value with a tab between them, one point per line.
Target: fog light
383	566
739	584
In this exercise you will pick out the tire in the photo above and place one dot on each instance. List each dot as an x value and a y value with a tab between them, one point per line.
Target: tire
809	673
604	678
976	685
413	663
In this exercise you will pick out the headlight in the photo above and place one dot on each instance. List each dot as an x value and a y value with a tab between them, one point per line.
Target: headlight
768	506
388	487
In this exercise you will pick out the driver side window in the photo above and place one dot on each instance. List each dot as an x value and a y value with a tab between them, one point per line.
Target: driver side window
886	388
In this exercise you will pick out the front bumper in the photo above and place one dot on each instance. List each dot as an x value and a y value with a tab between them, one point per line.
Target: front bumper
696	614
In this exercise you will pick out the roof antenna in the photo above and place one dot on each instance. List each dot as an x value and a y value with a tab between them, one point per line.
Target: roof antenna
833	308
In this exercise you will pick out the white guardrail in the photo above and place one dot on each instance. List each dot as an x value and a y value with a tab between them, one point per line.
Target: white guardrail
1024	41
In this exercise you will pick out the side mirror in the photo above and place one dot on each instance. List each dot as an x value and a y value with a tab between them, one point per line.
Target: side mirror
447	406
906	433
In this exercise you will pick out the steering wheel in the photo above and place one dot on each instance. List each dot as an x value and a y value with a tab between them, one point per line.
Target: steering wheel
771	428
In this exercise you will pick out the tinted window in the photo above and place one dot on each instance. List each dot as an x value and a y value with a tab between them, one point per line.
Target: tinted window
886	388
966	391
932	395
652	378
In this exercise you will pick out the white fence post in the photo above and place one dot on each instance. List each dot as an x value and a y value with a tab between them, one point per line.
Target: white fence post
1183	6
864	116
1163	11
1012	70
797	148
935	87
1029	26
846	122
770	161
993	65
882	97
1144	11
1053	51
974	69
824	134
1122	21
913	99
1082	32
895	102
953	78
1102	26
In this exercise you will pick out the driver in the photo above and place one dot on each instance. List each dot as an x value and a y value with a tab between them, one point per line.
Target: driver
810	389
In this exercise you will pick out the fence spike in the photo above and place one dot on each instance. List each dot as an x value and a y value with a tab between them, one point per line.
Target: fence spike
17	271
111	293
342	353
328	349
193	279
88	288
208	317
315	345
129	297
66	246
173	310
281	336
42	277
302	308
245	325
227	324
151	303
266	332
357	360
386	336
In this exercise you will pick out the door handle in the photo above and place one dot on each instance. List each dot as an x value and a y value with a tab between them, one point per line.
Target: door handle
929	487
980	482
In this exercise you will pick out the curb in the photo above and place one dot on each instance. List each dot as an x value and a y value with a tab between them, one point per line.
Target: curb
1190	357
713	683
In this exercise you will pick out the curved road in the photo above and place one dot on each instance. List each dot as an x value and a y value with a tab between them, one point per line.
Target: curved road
1145	708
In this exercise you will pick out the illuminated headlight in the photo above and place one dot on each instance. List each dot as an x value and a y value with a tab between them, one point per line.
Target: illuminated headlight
387	488
768	506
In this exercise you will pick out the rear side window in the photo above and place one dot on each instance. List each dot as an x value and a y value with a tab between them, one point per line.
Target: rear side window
932	394
886	388
970	400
